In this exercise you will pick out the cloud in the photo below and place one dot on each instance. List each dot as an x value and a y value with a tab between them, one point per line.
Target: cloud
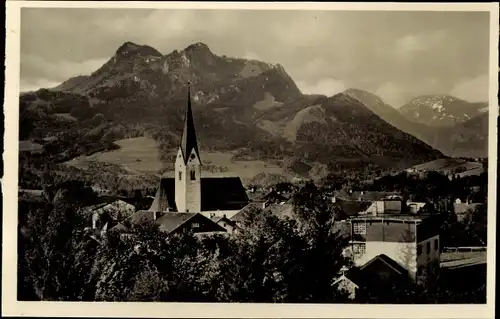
42	72
319	49
27	85
472	89
251	56
326	87
392	94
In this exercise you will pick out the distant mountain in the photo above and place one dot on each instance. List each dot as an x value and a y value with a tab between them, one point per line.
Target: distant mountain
138	72
389	114
467	138
441	110
249	106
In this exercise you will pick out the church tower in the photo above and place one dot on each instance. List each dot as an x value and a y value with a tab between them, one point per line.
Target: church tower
188	167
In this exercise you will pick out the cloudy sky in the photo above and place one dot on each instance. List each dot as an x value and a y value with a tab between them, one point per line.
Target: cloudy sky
396	55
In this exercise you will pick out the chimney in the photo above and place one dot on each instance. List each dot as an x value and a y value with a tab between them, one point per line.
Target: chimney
155	215
334	199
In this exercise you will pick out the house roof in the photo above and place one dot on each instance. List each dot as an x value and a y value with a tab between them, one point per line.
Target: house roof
240	216
220	218
351	208
460	208
118	227
388	261
365	195
281	210
273	195
221	193
188	141
370	273
166	221
171	221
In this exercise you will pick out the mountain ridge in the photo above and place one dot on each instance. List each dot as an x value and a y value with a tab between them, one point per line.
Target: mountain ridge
453	140
251	107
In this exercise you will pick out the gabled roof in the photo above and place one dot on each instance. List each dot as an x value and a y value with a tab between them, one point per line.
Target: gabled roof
388	261
217	219
351	208
170	221
221	193
188	141
118	227
281	210
240	216
370	274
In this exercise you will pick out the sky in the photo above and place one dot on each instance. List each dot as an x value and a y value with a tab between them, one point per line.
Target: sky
396	55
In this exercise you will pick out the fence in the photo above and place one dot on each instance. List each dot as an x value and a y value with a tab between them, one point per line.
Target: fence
463	249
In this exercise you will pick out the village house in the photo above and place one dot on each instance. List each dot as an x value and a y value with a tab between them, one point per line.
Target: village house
173	223
229	225
411	240
381	273
464	209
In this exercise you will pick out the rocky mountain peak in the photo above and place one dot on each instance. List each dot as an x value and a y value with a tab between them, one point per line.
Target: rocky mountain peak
440	110
198	47
129	49
365	97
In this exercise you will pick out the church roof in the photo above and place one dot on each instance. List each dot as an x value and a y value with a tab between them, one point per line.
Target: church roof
188	141
221	193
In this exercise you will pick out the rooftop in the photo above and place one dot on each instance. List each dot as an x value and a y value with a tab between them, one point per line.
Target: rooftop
394	217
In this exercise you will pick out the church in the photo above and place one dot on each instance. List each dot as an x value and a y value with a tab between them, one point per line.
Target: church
188	191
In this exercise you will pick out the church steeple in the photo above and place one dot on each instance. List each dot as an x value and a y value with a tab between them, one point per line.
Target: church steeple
188	141
188	167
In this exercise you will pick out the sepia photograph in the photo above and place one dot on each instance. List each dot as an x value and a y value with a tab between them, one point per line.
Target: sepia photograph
294	155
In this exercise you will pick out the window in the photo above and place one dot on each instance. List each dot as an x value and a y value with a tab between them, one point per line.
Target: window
428	247
180	176
193	175
359	248
436	244
360	228
419	250
195	225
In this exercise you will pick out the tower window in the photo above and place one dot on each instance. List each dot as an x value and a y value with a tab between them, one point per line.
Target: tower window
436	244
428	247
193	175
180	176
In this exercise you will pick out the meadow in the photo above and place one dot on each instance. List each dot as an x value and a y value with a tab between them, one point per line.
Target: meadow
140	155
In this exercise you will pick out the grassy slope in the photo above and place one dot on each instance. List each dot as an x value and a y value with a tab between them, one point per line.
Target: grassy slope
140	155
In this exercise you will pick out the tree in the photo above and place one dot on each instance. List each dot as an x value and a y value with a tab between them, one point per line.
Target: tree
323	256
475	225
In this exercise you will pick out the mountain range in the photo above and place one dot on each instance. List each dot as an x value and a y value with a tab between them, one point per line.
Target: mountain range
455	127
254	108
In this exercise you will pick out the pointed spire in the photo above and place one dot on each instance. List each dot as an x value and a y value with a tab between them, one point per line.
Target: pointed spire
188	141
